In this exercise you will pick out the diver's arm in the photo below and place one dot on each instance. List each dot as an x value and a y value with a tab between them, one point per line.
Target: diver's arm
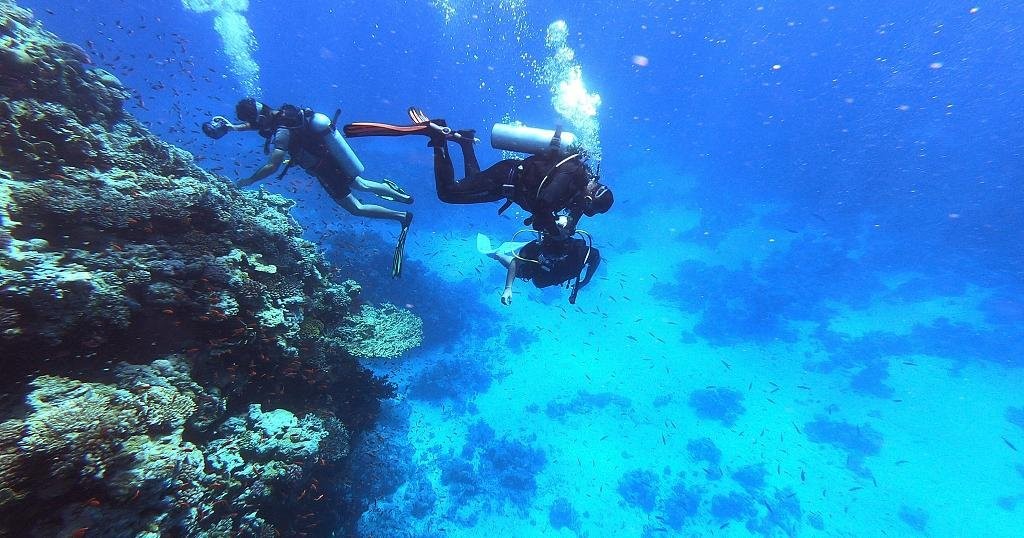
510	277
592	262
244	126
276	158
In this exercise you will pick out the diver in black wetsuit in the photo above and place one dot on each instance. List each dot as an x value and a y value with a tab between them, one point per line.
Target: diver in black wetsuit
544	184
310	141
547	261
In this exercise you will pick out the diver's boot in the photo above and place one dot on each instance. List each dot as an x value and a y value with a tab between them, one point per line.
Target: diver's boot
464	136
440	127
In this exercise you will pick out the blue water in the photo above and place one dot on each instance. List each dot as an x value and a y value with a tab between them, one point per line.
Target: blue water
810	319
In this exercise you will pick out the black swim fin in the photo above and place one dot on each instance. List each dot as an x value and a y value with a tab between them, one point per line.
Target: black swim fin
396	263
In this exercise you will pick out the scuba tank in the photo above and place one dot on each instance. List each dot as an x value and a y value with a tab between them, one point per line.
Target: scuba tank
530	139
336	145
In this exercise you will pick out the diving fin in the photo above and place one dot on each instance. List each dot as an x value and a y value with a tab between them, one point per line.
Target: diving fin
483	244
396	262
402	198
358	129
417	115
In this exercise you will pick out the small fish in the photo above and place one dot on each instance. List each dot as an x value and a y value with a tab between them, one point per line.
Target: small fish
727	365
902	462
804	387
855	488
1009	444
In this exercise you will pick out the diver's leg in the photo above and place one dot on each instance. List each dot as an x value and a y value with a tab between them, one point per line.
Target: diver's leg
340	192
469	162
359	209
386	189
477	187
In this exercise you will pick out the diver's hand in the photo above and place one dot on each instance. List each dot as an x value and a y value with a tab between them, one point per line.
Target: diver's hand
506	297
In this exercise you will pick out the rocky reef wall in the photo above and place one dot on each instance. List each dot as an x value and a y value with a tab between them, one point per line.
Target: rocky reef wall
177	360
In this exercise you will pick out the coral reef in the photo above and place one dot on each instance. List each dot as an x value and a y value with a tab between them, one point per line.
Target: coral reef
454	380
562	515
639	488
497	472
858	441
703	450
915	518
721	404
186	361
586	402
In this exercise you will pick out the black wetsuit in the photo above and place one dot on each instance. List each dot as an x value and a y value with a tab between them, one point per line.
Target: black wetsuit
517	180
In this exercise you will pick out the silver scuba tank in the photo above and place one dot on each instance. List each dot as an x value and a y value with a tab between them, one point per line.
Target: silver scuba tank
337	146
528	139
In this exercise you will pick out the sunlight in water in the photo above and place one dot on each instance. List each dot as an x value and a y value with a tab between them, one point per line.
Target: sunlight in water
569	93
239	41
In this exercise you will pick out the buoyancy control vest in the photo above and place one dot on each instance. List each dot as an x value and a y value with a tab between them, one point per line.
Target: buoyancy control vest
314	133
549	183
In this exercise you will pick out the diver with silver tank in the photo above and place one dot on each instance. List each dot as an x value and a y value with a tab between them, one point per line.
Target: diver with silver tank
555	184
309	139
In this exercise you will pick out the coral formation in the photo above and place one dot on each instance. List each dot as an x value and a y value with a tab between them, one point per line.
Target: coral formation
496	471
639	488
381	332
186	360
858	441
451	380
721	404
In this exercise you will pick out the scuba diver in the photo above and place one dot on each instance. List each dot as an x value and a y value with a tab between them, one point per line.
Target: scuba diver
554	181
309	139
546	261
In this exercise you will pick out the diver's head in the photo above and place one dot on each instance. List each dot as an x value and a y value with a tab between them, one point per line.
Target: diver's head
597	198
253	112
